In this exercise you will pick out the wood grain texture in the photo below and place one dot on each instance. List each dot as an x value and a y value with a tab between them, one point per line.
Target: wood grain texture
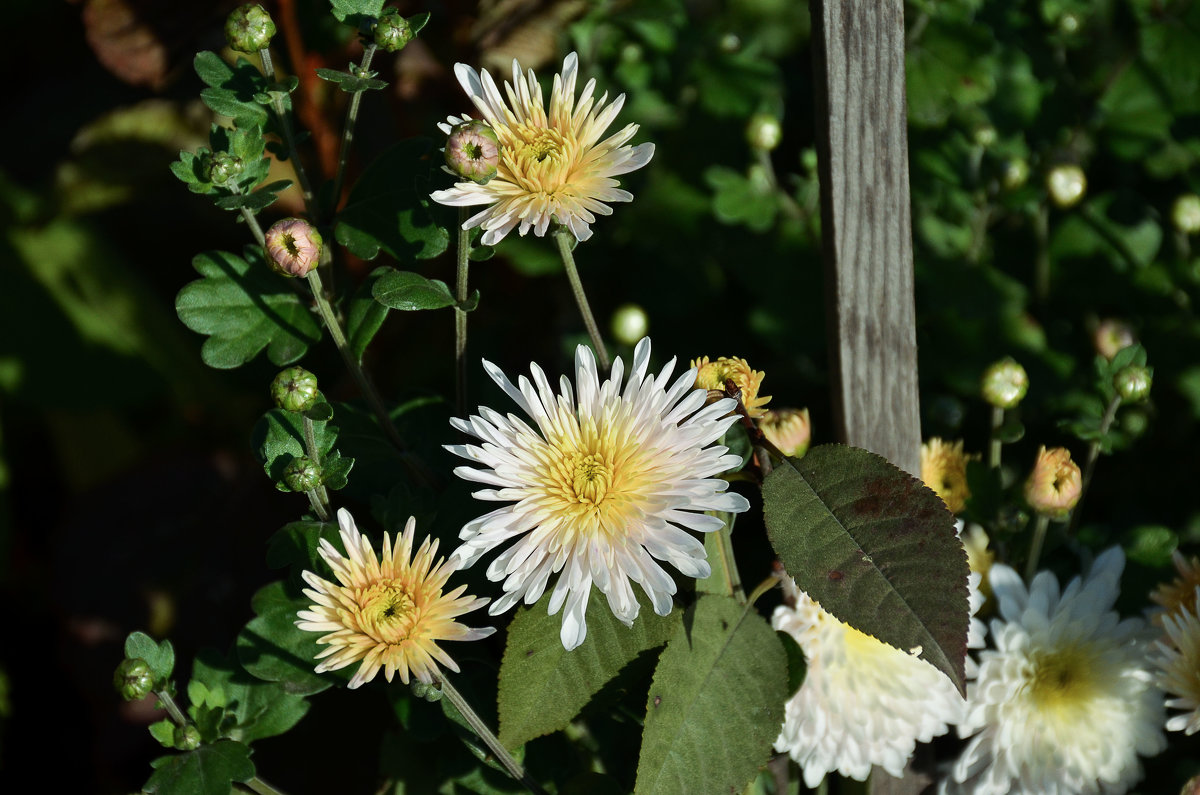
866	224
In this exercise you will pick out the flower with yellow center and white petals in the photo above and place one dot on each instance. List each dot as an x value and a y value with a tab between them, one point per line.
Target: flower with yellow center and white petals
553	165
1178	661
389	612
1065	703
608	483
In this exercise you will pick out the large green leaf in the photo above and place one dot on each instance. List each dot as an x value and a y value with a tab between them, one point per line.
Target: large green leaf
365	315
716	702
208	770
272	648
260	709
536	664
232	89
411	291
243	307
159	656
875	547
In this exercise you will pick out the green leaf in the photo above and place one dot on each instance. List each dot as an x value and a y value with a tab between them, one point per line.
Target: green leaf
335	471
388	208
411	291
278	437
232	90
243	307
716	702
1150	545
536	664
797	663
272	648
742	200
356	12
949	68
159	656
208	770
418	21
258	709
875	547
164	732
296	543
365	315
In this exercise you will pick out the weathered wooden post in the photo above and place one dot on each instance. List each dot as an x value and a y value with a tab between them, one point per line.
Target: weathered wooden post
867	237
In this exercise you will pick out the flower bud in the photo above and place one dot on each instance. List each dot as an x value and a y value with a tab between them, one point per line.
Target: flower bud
133	679
629	323
221	168
984	135
426	691
1133	383
724	371
944	469
187	738
788	429
1185	213
302	474
764	131
1068	24
1005	383
473	151
1016	173
1111	337
293	247
392	31
249	28
1055	484
1067	185
295	389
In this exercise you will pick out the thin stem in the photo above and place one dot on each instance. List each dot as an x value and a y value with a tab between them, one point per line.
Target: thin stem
314	454
1041	267
725	559
289	137
1035	546
1089	466
460	315
761	589
481	729
562	238
256	784
314	499
249	217
994	448
171	707
348	132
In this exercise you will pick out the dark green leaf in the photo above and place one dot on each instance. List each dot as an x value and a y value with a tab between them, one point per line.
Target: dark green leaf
875	547
535	664
797	664
356	12
279	437
208	770
418	21
716	702
411	291
365	315
335	471
320	412
164	732
159	656
258	709
272	648
232	91
481	253
254	202
333	75
296	543
356	85
471	304
949	68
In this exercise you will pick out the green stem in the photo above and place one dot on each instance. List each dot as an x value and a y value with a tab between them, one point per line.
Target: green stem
171	707
725	559
249	217
256	784
1041	271
314	499
289	137
314	453
481	729
761	589
562	238
994	448
348	132
1035	546
460	316
1089	466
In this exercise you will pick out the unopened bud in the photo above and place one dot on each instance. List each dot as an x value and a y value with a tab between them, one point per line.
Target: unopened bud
249	28
722	373
1111	337
473	151
1016	173
1054	486
133	679
1133	383
302	474
295	389
985	135
293	247
629	323
187	738
426	691
221	168
1067	185
1185	213
392	31
1005	383
764	131
790	430
1068	24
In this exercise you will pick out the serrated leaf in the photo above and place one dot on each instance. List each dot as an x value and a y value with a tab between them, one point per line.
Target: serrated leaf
365	315
159	656
388	207
278	437
875	547
243	307
356	85
535	663
411	291
333	75
254	202
335	471
208	770
716	702
354	12
232	90
256	709
272	648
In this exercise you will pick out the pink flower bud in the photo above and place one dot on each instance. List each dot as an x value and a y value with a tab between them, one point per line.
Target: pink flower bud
293	247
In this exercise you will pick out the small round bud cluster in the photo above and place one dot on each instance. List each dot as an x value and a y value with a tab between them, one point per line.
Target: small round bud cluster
293	247
222	168
187	738
133	679
473	151
249	28
629	323
790	430
1133	383
295	389
1005	383
392	31
302	474
1067	185
1111	337
1055	485
1016	173
764	132
1185	213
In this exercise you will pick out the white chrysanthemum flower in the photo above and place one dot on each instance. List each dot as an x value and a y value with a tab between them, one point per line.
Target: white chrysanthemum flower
863	703
609	481
1065	703
1179	663
553	165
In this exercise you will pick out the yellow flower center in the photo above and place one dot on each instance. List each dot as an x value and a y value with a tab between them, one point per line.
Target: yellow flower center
592	478
539	159
387	611
1061	683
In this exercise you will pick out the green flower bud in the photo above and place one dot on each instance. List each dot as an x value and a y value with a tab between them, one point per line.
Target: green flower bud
984	135
302	474
764	131
1133	383
295	389
1185	213
473	151
1067	185
1016	173
293	247
1005	383
426	691
1068	24
187	738
629	324
249	28
222	168
1111	337
392	31
133	679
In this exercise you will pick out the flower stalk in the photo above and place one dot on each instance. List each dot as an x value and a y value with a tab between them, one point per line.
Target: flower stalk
289	137
348	132
1035	546
1089	467
562	239
460	315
